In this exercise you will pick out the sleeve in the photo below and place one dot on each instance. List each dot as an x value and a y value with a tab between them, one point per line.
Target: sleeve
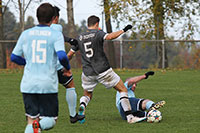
18	47
18	59
59	42
101	34
63	59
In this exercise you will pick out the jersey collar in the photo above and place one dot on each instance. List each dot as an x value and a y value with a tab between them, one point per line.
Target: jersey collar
42	25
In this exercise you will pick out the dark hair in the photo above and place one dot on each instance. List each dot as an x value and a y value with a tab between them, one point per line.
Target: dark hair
45	13
56	13
92	20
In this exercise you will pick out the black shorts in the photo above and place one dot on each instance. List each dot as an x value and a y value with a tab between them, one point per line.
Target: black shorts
64	80
41	105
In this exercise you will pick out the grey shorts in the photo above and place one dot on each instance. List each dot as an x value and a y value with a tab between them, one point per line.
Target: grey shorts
108	78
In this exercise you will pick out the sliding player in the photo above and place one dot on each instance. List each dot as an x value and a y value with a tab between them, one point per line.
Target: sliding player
138	105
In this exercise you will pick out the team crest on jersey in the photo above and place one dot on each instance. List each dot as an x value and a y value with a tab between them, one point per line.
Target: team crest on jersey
81	37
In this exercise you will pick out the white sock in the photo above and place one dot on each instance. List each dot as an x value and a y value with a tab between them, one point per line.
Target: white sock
71	98
84	100
125	102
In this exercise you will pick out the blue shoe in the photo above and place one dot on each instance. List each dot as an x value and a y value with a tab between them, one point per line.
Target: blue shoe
81	112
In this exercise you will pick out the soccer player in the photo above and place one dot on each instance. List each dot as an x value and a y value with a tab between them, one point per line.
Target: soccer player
138	105
38	48
96	68
67	82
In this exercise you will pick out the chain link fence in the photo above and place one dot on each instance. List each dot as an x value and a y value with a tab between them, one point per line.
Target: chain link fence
139	54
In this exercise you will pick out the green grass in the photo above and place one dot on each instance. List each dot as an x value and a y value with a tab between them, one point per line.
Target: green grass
179	88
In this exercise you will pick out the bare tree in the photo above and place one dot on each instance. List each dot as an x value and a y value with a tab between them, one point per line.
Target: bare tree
22	10
70	18
111	48
2	45
22	6
72	28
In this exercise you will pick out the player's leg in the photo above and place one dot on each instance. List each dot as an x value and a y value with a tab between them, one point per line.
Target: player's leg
32	112
149	105
30	127
110	79
126	104
88	84
71	96
135	102
48	109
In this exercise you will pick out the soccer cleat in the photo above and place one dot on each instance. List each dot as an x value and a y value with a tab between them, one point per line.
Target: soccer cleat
36	127
134	119
157	105
81	112
76	118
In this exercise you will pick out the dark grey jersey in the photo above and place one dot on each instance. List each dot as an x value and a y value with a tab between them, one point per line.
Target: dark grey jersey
90	44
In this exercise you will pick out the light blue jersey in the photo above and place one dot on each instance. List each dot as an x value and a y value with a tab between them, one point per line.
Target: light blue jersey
39	45
57	27
130	94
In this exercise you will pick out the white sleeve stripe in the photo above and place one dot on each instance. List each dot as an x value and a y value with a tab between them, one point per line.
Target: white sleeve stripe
72	50
105	36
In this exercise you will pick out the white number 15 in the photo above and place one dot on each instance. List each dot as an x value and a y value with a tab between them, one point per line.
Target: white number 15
36	47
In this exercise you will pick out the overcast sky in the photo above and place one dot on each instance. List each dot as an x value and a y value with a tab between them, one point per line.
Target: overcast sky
82	9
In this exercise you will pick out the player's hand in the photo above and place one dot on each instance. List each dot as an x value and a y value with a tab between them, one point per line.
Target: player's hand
66	72
127	27
133	87
149	73
73	42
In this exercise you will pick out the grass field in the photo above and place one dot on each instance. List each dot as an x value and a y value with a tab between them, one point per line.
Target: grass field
179	88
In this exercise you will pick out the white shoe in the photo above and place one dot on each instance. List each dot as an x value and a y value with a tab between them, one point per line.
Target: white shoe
134	119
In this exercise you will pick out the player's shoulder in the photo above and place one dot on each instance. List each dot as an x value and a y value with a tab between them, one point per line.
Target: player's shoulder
57	27
26	32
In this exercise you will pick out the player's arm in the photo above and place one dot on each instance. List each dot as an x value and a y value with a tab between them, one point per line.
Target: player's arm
17	52
70	54
17	59
71	41
136	79
60	50
62	57
116	34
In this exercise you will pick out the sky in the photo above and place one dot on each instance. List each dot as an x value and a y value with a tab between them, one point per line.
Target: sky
82	9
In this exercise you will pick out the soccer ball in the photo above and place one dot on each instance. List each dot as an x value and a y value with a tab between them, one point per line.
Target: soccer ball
154	116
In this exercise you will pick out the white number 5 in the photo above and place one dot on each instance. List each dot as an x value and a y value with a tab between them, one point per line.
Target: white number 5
36	47
89	51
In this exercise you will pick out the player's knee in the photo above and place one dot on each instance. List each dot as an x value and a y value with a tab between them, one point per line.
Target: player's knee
142	105
70	85
120	87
